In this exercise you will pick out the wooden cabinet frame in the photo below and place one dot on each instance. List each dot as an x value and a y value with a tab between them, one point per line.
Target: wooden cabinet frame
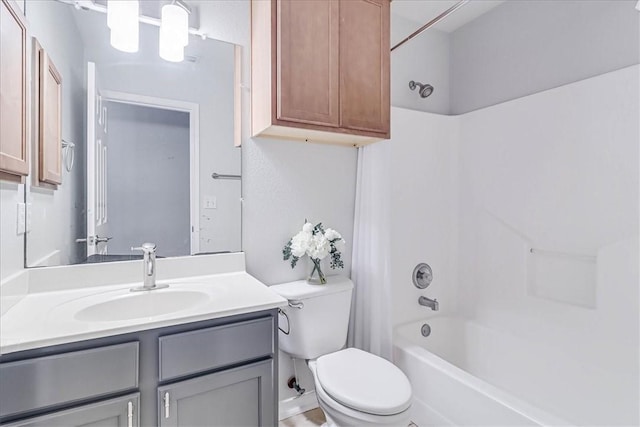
14	160
357	111
49	123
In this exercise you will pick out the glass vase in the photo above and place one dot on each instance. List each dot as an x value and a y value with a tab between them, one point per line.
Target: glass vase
316	269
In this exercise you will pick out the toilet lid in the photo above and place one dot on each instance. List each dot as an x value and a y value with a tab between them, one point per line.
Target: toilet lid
364	382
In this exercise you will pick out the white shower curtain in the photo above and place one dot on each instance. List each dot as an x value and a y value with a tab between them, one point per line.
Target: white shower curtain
370	326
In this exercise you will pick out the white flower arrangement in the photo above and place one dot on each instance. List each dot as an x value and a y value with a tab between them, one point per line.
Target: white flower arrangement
317	243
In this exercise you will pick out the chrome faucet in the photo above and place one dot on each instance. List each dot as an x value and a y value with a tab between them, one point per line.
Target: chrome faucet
427	302
149	268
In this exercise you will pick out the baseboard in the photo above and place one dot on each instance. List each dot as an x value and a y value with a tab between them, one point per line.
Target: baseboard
297	405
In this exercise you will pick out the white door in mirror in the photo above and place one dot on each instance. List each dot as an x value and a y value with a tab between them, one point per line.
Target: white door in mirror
97	219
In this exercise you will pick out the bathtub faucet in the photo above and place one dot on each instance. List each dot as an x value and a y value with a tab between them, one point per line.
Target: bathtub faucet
431	303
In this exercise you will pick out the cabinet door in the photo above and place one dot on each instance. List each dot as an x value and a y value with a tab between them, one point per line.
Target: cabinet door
120	412
13	91
237	397
307	61
364	65
49	121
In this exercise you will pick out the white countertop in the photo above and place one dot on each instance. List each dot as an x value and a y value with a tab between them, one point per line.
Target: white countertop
48	318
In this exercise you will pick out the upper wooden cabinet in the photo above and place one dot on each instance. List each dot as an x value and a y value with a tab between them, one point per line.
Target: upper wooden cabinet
13	92
320	70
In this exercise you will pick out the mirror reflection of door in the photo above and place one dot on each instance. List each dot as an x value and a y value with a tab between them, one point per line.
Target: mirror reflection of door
149	190
97	239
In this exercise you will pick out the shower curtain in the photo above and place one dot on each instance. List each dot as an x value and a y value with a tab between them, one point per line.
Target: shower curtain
370	326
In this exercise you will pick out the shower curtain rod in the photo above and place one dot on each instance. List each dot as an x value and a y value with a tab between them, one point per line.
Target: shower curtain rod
434	21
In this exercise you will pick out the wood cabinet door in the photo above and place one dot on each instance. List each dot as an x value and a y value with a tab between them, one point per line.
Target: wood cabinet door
50	121
241	397
13	91
307	79
364	65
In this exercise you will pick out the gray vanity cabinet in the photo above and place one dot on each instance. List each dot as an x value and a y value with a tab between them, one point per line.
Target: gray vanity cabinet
217	372
119	412
236	397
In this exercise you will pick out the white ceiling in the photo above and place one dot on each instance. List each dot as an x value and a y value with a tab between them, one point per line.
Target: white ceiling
423	11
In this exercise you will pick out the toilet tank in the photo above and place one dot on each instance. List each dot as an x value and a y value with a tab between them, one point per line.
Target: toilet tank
317	318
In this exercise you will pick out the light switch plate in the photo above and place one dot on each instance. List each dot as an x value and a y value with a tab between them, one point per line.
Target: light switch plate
210	202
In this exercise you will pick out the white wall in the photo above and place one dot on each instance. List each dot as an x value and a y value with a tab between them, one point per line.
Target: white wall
148	181
57	216
523	47
558	171
424	59
11	243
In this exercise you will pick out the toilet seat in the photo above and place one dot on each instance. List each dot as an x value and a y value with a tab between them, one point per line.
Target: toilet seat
364	382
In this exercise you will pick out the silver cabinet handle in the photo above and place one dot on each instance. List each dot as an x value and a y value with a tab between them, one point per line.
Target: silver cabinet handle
166	405
130	414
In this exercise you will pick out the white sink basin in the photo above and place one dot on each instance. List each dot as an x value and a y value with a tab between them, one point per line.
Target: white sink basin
142	304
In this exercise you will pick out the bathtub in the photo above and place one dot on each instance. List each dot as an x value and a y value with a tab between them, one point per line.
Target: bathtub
464	373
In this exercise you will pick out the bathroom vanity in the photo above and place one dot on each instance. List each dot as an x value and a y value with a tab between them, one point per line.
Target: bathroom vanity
222	369
100	355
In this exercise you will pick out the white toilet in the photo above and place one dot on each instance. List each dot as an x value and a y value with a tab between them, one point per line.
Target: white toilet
354	388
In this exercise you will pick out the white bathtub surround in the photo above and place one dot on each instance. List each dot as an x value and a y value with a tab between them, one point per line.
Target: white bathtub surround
60	304
568	180
370	327
556	171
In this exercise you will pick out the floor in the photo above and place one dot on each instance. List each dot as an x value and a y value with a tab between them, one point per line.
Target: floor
312	418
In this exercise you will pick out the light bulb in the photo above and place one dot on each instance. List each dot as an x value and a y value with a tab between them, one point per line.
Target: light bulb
175	23
170	49
122	19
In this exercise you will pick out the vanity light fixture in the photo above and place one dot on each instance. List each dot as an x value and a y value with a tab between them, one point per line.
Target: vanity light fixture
122	19
174	31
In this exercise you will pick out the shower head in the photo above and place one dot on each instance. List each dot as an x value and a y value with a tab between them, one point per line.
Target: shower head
424	90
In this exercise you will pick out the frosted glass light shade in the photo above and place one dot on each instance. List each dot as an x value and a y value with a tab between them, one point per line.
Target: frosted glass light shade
125	39
170	48
175	23
122	19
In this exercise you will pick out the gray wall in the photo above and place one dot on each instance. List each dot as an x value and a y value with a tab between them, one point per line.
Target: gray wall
424	59
286	182
523	47
148	179
52	23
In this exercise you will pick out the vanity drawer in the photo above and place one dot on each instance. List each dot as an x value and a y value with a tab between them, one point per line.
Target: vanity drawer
64	378
212	348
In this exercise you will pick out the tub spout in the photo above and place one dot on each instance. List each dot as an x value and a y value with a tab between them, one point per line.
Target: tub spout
431	303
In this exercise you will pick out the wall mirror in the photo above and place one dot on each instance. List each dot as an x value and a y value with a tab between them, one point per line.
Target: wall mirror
148	144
